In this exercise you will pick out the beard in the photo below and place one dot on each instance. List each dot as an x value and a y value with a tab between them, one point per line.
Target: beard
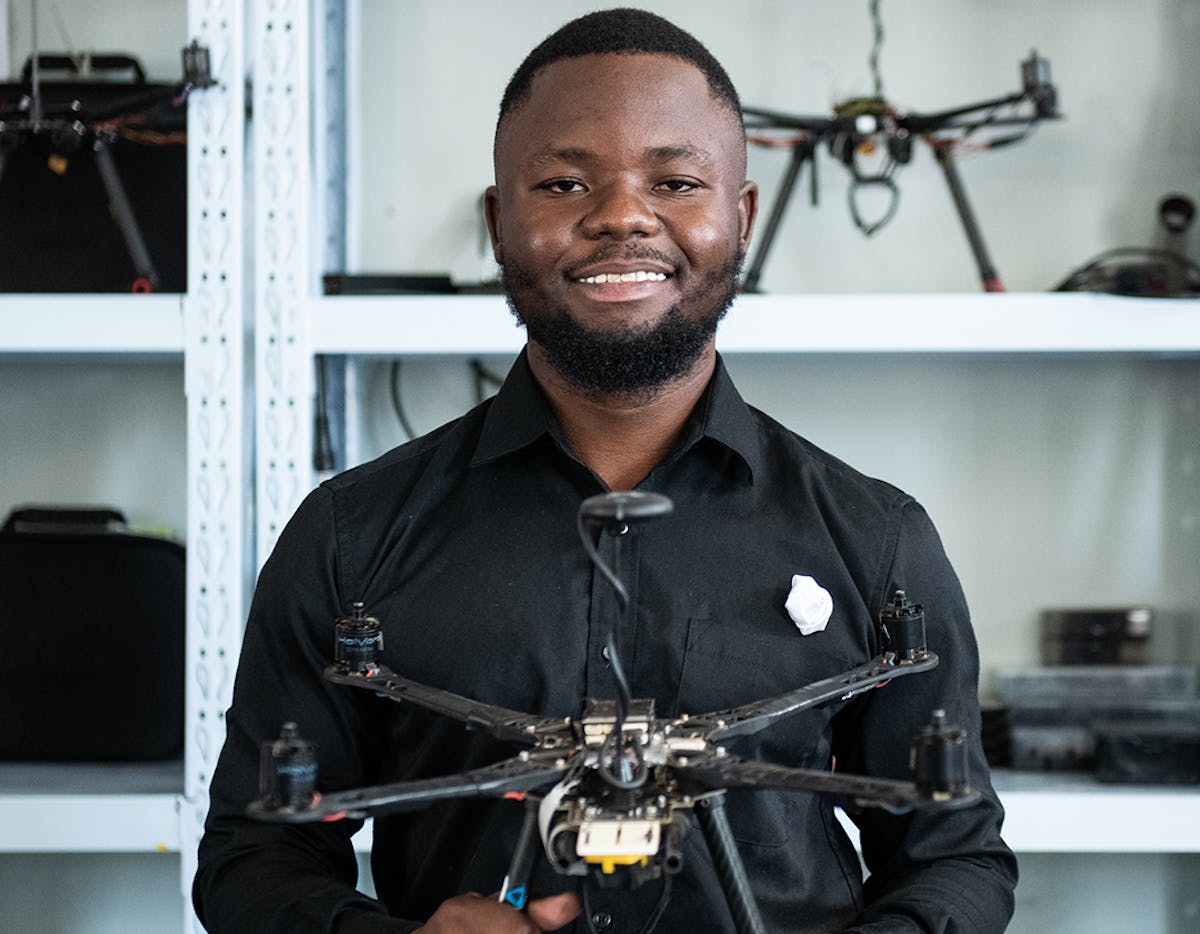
634	362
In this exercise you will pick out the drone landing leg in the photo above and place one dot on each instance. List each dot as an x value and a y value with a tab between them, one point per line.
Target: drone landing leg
987	272
802	152
732	873
123	213
515	890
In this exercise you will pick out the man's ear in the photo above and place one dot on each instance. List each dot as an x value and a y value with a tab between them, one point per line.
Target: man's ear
491	213
747	212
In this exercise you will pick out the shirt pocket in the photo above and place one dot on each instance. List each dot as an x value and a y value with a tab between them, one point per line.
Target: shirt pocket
730	664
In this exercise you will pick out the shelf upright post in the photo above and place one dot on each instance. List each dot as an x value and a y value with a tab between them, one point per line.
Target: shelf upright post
331	157
218	423
283	261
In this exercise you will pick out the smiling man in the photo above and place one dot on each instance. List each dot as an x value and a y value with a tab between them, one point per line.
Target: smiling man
620	215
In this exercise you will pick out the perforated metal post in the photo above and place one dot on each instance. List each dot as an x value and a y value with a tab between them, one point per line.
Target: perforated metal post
283	261
215	380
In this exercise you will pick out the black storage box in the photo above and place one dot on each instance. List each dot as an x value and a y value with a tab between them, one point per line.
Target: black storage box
1149	753
1113	636
91	639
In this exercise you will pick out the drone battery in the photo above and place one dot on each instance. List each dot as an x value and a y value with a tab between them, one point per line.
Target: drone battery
91	639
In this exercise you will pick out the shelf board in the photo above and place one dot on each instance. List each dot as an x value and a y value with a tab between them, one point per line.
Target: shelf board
1050	812
91	324
1058	812
943	323
90	807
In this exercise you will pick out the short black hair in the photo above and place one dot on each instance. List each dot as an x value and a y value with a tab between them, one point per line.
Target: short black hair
621	31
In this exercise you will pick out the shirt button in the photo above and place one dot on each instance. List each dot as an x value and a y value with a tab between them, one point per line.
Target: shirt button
624	529
602	920
604	653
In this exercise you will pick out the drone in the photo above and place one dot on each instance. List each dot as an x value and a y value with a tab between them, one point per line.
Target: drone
65	129
872	138
608	793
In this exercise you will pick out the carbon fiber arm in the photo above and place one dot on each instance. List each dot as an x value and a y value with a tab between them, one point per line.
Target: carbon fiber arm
757	715
501	722
724	771
518	774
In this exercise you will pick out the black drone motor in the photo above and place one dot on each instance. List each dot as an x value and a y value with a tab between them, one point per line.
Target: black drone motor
287	778
903	625
939	759
358	642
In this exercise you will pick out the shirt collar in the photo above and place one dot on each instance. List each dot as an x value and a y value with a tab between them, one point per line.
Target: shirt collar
724	416
520	415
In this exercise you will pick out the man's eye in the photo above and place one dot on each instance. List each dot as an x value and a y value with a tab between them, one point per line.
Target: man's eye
562	185
678	185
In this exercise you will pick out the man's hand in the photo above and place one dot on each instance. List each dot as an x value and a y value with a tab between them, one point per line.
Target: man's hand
474	914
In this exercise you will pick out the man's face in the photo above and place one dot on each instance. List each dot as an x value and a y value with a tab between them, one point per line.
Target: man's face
620	217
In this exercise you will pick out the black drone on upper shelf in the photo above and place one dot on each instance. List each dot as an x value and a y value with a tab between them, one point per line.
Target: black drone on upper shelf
610	790
861	128
59	124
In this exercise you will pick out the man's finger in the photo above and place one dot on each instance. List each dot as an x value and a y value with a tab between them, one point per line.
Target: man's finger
554	911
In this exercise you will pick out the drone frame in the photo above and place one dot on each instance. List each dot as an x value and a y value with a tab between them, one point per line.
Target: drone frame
856	123
67	132
608	790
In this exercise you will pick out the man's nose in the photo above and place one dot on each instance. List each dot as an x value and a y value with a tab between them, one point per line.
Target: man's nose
621	210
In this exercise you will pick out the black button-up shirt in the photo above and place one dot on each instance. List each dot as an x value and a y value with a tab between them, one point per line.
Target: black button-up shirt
463	544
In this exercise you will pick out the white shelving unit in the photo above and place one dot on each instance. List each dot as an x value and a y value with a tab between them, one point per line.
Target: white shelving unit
109	325
1073	813
1037	323
160	807
91	807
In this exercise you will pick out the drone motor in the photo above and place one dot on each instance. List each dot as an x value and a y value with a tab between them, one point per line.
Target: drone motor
288	773
358	642
939	760
903	625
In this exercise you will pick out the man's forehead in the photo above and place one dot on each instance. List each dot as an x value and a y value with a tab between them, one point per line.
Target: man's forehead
650	75
552	155
590	88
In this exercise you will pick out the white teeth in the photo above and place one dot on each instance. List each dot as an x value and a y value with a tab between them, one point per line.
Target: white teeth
640	276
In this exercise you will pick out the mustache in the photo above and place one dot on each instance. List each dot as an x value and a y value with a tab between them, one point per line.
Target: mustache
610	252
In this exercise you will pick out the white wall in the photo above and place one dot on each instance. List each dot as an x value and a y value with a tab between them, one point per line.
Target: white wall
154	31
107	434
1052	481
433	72
87	893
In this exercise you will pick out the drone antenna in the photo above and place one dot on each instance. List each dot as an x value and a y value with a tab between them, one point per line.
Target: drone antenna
876	48
617	511
35	75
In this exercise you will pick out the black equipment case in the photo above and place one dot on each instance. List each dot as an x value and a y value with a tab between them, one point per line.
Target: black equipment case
91	638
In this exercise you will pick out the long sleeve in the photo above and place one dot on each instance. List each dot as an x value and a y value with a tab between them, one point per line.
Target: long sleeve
272	878
933	870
